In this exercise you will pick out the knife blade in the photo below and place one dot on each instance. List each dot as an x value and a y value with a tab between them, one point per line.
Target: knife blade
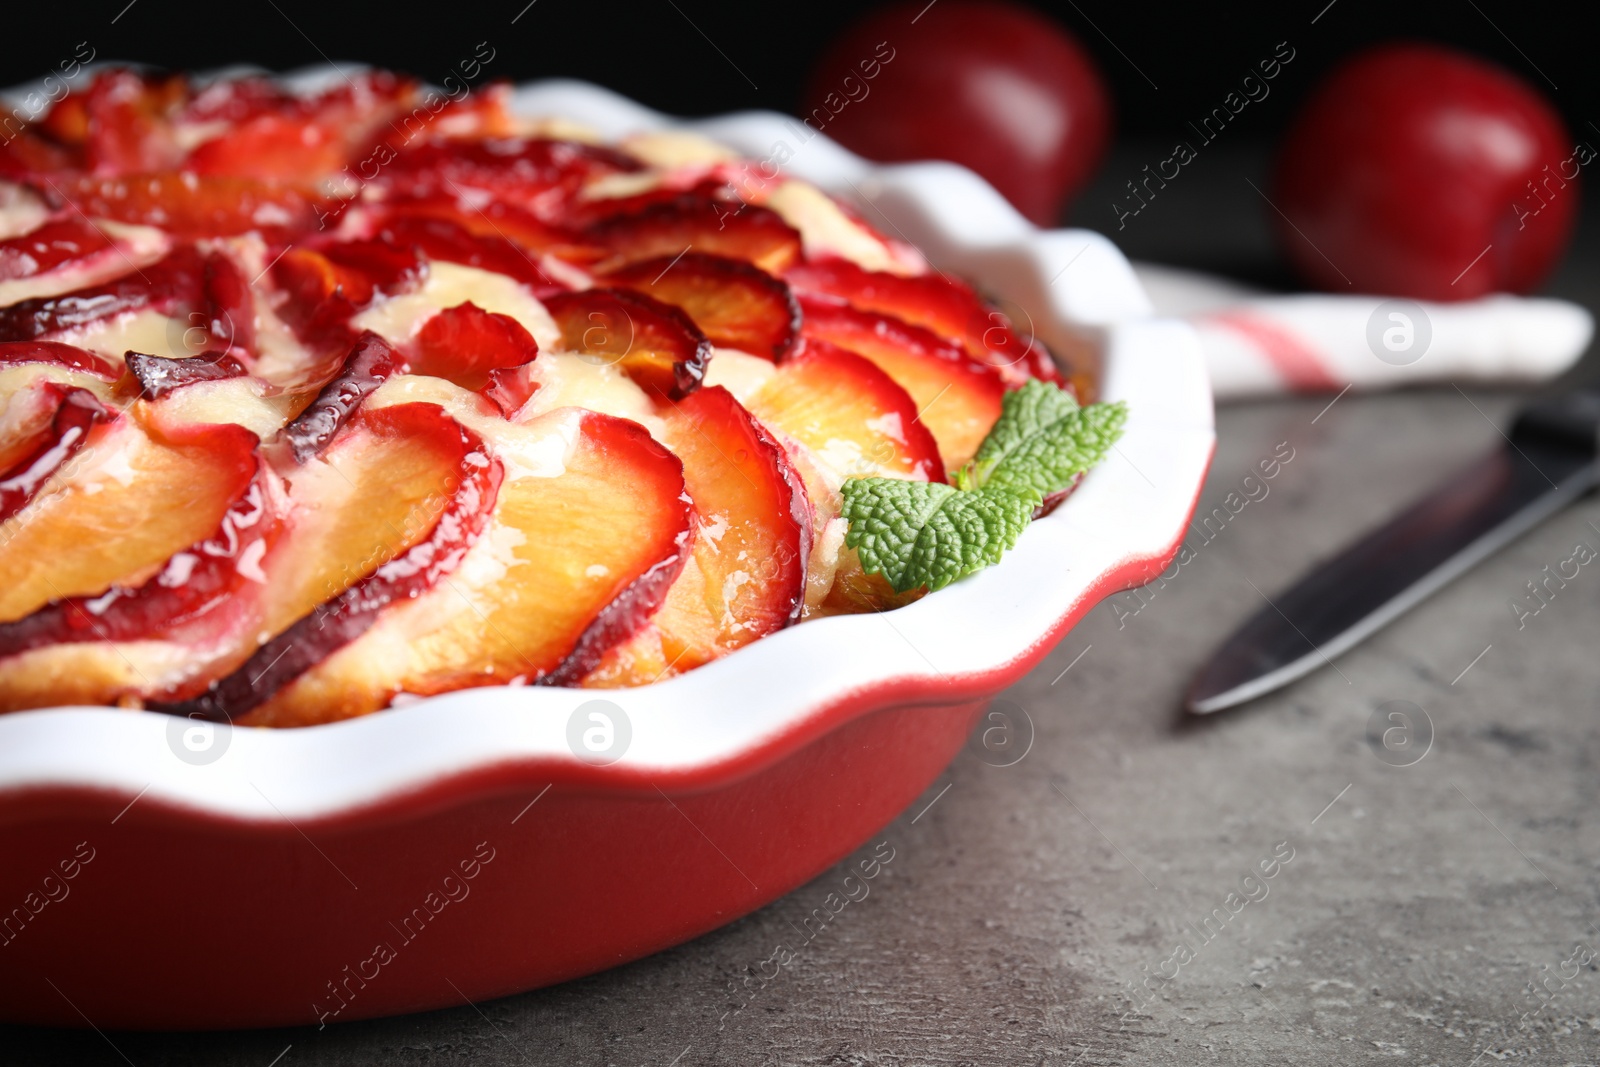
1550	458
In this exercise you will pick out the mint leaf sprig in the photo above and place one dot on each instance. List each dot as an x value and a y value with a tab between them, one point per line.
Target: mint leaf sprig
929	533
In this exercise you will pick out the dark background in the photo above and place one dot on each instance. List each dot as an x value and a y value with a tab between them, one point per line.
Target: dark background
1165	62
665	53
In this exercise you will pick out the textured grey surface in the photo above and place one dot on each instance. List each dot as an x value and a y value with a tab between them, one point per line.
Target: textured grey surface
1025	904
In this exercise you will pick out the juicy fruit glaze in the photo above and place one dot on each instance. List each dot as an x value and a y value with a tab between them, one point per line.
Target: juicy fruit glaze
310	401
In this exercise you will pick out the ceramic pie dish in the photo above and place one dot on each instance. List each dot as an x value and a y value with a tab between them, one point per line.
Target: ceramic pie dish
462	844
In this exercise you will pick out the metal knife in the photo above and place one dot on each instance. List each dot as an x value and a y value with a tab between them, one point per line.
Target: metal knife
1550	458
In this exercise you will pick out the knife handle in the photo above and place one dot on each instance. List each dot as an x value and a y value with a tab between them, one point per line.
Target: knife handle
1570	419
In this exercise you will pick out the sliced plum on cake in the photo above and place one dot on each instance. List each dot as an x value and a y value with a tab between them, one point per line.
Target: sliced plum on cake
315	400
957	398
840	416
55	359
160	376
369	363
128	500
698	223
319	290
588	530
343	277
735	304
290	538
132	500
447	240
541	175
190	300
149	634
655	344
470	347
496	221
937	302
745	573
287	543
464	344
291	140
53	396
850	413
44	423
234	157
67	251
52	425
190	206
35	378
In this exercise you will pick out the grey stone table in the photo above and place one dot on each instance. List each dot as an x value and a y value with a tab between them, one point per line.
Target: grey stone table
1103	900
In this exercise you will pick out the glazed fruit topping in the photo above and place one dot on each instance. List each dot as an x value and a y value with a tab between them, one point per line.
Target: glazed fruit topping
239	100
141	127
138	496
658	346
296	650
309	401
957	398
937	302
126	127
382	485
54	353
440	238
74	414
58	242
162	633
535	173
190	205
157	375
581	560
173	286
327	287
701	224
176	602
466	345
735	304
376	267
620	459
841	406
495	219
745	574
270	146
369	363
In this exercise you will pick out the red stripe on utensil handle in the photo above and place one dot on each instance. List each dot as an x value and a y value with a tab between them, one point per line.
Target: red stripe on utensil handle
1300	365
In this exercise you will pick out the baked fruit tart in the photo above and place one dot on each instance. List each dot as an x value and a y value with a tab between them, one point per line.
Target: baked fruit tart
313	403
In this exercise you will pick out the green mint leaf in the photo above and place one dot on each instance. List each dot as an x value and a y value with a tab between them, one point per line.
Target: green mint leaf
930	534
1024	414
1043	444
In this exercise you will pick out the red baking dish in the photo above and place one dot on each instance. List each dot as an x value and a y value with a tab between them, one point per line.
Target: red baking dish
164	874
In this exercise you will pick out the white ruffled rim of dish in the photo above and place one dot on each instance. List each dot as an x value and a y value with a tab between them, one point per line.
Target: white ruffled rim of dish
1077	288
